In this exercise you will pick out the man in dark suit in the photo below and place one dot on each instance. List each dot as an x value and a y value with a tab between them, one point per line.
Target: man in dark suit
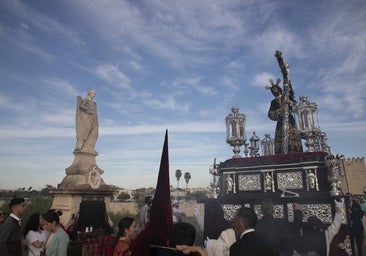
356	231
275	230
250	242
10	235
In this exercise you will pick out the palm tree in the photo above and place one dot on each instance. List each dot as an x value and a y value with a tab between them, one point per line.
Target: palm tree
178	174
187	177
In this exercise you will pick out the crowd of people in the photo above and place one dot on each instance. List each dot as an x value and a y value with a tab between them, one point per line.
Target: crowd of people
250	236
45	235
266	236
272	236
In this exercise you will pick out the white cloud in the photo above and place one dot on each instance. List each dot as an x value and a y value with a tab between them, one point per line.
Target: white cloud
114	76
261	80
174	64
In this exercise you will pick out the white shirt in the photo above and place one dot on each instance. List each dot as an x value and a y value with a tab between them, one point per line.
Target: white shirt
177	214
16	217
221	246
247	231
31	237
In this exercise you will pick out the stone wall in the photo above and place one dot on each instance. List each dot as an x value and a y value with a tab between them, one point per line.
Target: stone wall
123	207
354	179
188	208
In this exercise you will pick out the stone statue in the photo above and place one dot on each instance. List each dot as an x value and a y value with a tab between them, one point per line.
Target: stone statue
268	181
86	123
276	113
287	138
84	173
229	184
311	180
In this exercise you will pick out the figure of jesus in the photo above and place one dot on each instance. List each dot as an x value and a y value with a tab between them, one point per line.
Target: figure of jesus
275	113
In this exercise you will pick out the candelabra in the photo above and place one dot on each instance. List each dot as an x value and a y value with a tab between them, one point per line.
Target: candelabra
306	114
254	145
235	130
334	164
214	171
267	145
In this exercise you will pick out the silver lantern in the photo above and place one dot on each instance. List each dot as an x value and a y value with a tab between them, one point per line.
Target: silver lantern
235	130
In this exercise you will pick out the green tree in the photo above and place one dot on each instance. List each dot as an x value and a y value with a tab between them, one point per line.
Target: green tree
123	196
46	190
178	174
116	217
198	195
187	177
140	194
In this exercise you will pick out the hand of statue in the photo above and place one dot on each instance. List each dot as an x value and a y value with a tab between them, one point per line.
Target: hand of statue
288	101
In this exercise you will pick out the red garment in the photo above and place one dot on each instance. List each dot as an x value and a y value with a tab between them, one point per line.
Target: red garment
122	248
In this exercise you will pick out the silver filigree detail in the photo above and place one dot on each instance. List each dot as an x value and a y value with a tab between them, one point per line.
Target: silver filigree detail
346	245
290	180
322	211
278	211
230	210
249	182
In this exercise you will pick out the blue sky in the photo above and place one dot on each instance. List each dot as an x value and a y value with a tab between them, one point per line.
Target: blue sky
176	65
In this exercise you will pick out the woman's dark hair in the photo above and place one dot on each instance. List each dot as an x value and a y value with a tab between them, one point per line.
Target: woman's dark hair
32	224
51	216
59	213
124	223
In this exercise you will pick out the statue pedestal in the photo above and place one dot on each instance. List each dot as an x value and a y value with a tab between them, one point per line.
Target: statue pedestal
91	207
83	194
83	163
83	173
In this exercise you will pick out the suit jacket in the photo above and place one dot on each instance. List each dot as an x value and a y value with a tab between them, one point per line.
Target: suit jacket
59	243
275	231
252	244
10	238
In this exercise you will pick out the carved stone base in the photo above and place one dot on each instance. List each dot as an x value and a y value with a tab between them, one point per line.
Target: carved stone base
68	201
83	173
80	182
83	163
